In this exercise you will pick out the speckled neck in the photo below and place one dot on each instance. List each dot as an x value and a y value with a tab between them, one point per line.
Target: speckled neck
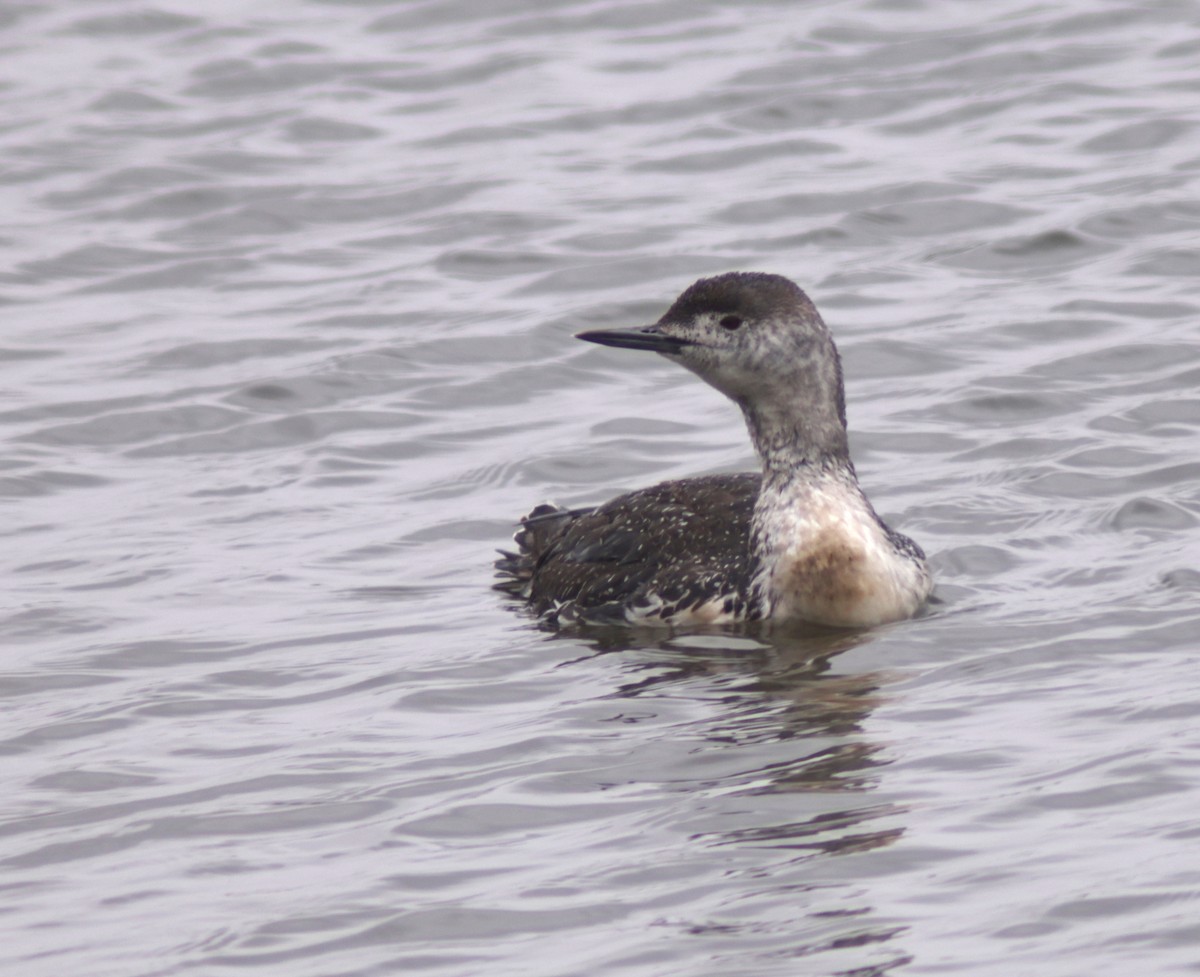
797	421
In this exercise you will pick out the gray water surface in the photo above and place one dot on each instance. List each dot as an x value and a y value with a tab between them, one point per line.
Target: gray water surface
287	292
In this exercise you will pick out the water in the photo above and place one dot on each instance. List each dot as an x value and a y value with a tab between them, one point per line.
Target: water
287	296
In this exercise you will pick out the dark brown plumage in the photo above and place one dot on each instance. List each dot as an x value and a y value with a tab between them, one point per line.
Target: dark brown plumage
671	543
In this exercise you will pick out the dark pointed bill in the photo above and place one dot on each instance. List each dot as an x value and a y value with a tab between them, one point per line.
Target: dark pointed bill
648	337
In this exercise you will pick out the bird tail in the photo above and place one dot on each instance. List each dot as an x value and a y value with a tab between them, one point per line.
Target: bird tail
514	571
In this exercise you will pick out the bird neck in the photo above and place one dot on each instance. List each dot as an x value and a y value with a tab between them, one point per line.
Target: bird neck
791	444
799	424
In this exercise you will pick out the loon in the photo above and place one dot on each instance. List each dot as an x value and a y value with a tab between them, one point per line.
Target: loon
800	541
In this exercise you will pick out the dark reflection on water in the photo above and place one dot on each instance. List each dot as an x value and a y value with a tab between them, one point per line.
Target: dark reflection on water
765	685
784	690
794	674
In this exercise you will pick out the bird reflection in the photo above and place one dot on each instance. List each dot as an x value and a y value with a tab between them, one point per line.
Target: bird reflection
762	735
770	685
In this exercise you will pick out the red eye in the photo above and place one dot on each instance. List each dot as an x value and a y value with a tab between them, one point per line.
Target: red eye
731	322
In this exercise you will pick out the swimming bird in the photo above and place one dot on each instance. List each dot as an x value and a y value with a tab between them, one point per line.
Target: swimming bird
798	541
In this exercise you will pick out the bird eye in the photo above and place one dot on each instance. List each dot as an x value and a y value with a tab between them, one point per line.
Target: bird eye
731	322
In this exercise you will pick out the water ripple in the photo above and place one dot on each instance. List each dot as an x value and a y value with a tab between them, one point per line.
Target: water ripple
288	295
